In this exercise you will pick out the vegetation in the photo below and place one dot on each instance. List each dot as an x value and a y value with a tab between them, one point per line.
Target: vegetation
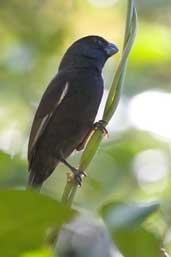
129	178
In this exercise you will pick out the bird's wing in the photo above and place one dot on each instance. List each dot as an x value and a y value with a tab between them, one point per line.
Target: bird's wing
51	99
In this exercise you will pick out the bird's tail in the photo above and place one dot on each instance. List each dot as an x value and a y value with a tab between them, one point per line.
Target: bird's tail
34	181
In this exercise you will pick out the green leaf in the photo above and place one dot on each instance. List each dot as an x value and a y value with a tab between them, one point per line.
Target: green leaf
91	149
129	37
25	217
12	170
138	243
44	252
119	216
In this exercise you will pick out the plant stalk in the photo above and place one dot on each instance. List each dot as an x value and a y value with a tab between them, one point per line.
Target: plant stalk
111	103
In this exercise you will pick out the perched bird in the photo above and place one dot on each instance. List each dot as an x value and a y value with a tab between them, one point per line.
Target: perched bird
67	110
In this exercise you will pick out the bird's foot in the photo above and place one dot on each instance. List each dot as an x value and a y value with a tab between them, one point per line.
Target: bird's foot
101	124
76	176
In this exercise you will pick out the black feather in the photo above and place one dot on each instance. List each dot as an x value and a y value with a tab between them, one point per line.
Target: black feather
68	107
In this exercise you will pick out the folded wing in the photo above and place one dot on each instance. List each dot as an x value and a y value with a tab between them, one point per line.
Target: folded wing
52	98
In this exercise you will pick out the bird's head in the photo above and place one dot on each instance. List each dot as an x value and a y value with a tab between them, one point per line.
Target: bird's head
90	51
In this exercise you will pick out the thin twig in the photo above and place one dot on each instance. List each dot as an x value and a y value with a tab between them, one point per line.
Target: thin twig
112	100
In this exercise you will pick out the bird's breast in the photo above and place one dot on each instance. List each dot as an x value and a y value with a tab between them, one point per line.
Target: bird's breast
86	92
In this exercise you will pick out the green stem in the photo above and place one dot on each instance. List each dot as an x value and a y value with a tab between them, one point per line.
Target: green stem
112	100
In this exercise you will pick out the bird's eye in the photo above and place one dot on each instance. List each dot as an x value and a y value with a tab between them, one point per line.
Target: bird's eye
99	42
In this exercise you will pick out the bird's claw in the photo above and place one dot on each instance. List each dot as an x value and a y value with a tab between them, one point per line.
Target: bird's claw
78	175
101	124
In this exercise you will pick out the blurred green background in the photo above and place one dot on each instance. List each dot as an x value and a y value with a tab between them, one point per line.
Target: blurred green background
134	163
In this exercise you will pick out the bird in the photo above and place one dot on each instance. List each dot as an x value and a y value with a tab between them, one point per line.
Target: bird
67	110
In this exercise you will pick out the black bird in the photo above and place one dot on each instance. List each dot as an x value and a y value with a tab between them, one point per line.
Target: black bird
68	108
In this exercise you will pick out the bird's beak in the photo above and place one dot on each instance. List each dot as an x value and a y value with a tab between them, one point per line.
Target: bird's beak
111	49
